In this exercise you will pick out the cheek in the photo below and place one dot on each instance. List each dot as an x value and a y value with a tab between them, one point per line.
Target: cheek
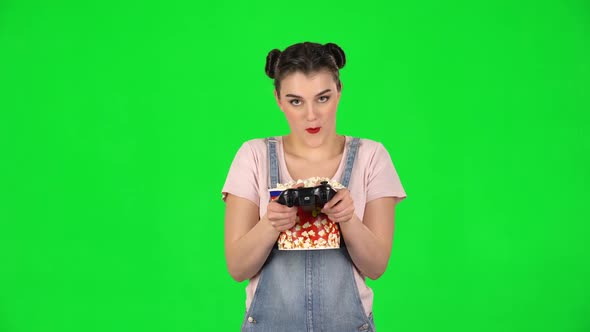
331	111
291	117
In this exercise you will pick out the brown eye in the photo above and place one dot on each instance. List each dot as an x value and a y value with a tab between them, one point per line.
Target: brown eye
323	99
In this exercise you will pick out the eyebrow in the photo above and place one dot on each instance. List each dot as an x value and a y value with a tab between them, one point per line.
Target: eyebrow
296	96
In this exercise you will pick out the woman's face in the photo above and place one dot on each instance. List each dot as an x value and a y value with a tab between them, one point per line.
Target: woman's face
310	103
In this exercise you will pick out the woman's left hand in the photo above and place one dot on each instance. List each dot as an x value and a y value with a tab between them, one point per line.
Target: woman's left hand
340	208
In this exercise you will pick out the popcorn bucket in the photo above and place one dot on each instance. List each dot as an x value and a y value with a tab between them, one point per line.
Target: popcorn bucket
313	230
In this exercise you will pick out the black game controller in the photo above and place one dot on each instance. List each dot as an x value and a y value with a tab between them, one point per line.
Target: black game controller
307	197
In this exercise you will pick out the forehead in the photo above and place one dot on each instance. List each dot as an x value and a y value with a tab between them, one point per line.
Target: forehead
307	84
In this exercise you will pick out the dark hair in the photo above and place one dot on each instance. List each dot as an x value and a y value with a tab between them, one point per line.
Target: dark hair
306	58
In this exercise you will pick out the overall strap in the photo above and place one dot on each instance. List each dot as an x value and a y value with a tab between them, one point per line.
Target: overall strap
351	155
273	164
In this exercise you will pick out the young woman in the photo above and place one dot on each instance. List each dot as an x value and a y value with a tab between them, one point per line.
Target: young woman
309	290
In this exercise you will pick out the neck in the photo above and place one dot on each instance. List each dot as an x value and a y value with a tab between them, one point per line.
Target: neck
332	146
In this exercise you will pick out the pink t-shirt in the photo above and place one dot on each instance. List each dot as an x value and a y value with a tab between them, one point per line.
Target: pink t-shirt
373	176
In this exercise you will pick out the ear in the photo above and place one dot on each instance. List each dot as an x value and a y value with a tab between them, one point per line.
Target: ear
339	92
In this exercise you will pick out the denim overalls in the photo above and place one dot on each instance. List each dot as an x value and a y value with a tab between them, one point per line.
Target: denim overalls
307	290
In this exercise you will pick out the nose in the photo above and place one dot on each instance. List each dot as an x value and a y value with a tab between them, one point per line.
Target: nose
311	114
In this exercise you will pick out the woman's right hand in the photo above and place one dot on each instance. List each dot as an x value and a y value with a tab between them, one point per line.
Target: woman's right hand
281	217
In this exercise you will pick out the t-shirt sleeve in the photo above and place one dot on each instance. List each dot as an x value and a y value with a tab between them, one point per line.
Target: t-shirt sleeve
242	179
383	180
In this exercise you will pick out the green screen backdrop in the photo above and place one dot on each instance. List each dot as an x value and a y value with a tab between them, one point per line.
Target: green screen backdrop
119	121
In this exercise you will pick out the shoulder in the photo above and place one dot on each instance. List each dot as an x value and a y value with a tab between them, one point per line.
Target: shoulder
253	149
255	144
373	153
369	144
369	148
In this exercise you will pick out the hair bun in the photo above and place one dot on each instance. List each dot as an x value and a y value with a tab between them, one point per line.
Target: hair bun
337	53
271	62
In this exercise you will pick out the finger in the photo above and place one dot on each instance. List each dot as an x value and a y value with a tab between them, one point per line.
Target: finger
339	219
342	216
331	203
283	225
339	209
281	222
280	209
284	217
337	206
338	198
277	207
345	215
284	228
275	216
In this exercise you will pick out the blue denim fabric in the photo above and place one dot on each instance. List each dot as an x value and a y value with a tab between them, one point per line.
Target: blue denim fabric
307	290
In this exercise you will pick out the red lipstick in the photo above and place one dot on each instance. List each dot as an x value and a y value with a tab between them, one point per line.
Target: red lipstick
313	130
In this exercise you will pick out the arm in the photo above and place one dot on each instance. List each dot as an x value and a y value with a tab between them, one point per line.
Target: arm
248	240
369	242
